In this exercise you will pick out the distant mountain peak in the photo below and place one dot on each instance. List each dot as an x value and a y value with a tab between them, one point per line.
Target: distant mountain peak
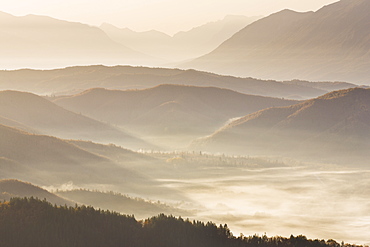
343	5
287	11
330	44
32	40
183	45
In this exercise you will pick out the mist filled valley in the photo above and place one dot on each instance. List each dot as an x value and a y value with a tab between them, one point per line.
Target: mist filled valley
260	123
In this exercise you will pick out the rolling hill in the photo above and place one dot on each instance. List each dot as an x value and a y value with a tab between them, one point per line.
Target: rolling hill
121	203
167	110
10	188
42	42
15	124
333	127
183	45
73	80
26	148
331	44
31	157
49	161
55	163
113	152
29	111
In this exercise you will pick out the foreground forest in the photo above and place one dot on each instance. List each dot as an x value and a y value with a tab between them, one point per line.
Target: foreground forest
32	222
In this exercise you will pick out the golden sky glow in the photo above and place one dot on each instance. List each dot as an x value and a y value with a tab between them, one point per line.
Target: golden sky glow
168	16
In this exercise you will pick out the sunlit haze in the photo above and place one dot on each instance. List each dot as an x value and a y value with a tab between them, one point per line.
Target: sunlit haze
252	116
169	16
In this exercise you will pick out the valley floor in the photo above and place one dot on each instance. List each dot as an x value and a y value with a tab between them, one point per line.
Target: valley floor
272	195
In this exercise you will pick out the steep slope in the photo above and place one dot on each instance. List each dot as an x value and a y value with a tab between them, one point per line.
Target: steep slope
26	148
50	161
77	79
113	152
10	188
168	109
40	41
183	45
332	127
33	157
42	115
330	44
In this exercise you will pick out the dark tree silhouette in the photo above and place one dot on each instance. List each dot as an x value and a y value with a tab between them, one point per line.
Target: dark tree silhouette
32	222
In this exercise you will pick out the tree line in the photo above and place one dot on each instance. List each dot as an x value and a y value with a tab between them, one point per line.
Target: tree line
32	222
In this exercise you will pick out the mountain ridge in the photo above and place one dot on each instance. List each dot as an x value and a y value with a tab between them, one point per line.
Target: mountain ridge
47	160
167	110
71	80
182	45
51	43
329	44
318	128
37	113
10	188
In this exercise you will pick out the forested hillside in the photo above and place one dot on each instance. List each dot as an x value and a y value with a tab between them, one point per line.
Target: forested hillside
31	222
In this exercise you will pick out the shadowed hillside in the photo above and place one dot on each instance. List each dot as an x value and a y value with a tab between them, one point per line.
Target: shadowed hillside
167	109
45	117
48	160
112	151
10	188
332	44
53	162
40	149
121	203
333	127
77	79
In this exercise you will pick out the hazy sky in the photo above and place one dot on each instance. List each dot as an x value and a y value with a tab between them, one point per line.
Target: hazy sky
168	16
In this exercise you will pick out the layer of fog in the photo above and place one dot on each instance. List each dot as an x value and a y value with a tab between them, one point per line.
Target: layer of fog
283	201
319	204
258	195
